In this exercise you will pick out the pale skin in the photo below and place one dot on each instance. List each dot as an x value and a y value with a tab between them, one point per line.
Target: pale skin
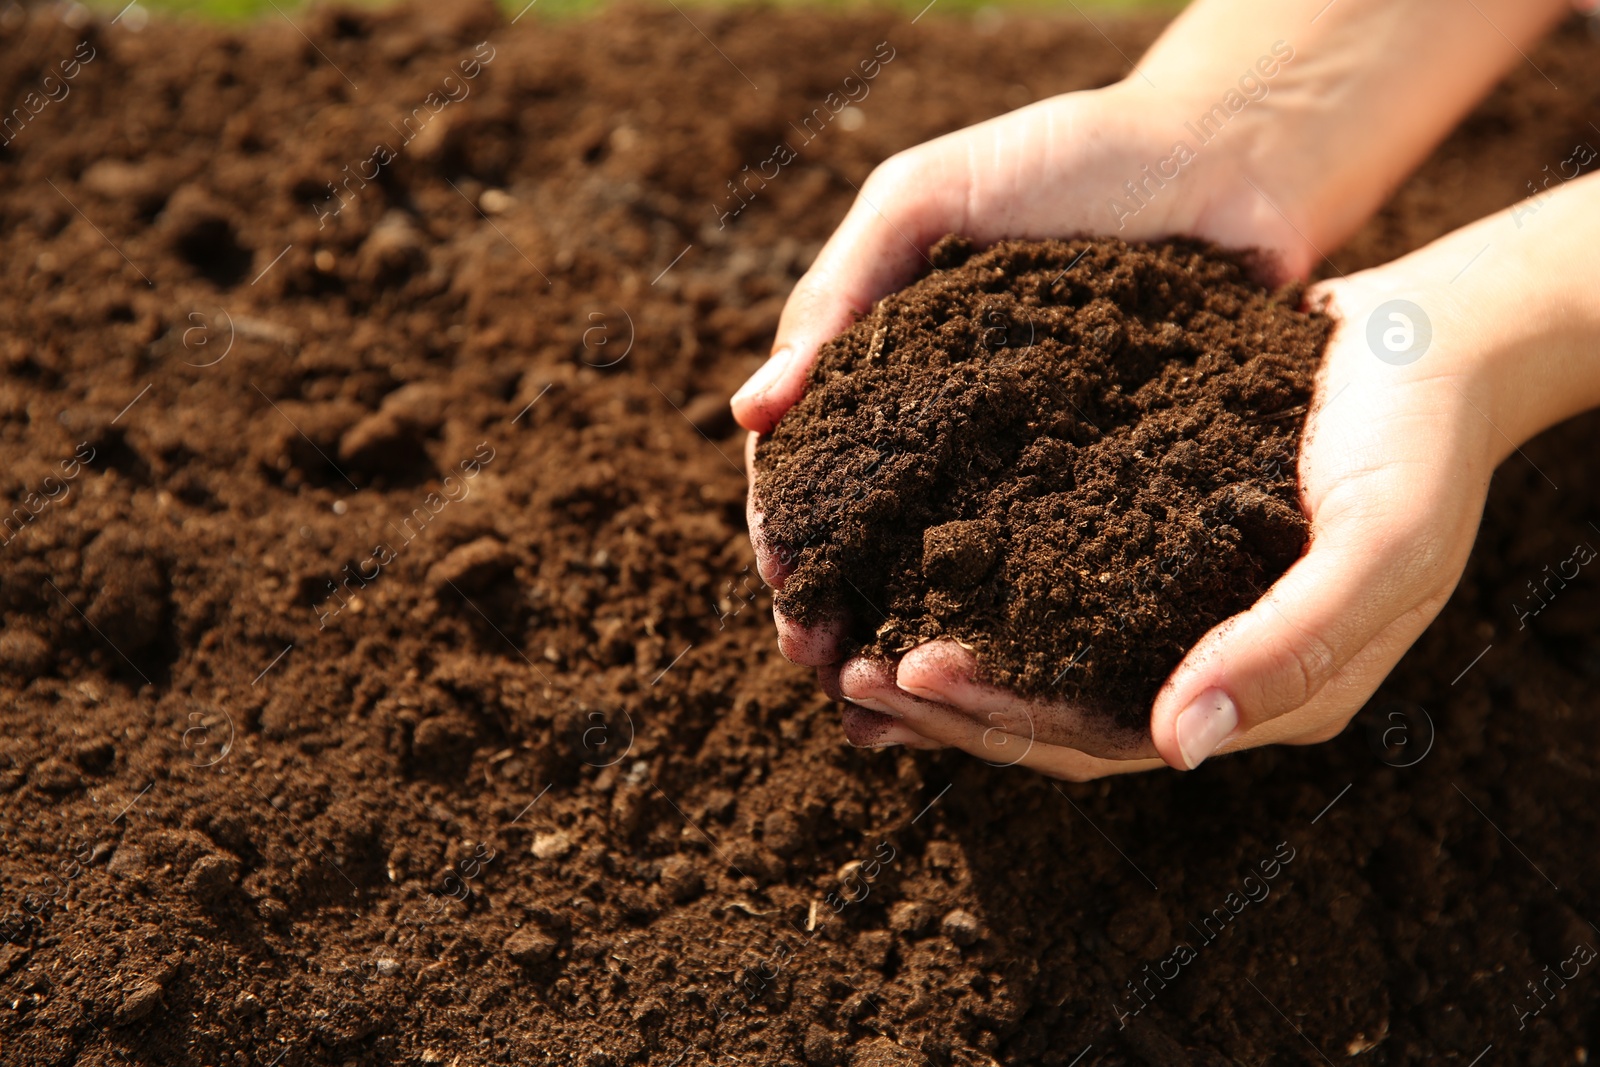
1396	459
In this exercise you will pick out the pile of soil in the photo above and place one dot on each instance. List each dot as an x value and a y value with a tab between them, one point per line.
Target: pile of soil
1074	457
384	679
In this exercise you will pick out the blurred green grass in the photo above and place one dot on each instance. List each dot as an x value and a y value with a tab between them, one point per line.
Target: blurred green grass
245	10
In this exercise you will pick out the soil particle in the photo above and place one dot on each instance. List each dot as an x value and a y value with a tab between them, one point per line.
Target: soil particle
56	776
552	846
783	831
963	928
146	185
681	879
210	878
472	567
127	862
129	604
912	918
392	251
530	945
140	1003
23	652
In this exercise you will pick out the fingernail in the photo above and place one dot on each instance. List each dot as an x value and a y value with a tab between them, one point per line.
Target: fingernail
1204	725
922	692
765	376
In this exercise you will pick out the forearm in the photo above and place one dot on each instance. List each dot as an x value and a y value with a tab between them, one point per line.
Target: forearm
1371	87
1522	280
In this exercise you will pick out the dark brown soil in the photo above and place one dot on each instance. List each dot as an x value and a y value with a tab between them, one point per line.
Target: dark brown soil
1074	457
535	785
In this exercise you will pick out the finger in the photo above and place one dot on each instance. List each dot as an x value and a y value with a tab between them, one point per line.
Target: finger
865	728
867	723
773	561
1327	714
879	246
946	673
871	683
1001	748
809	646
1299	637
904	719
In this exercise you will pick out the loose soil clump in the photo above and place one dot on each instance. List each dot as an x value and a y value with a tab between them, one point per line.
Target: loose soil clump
1072	456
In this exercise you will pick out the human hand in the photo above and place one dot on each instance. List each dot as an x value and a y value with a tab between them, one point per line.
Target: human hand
1042	171
1394	469
1292	178
1411	416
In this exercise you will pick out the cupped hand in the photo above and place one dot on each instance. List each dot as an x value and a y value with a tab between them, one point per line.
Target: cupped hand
1394	465
1396	460
1394	470
1050	169
1053	169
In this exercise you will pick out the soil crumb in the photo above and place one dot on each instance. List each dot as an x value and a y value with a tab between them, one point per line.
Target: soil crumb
1074	457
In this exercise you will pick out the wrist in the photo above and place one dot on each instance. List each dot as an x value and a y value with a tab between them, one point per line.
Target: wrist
1304	97
1536	312
1249	118
1513	324
1208	171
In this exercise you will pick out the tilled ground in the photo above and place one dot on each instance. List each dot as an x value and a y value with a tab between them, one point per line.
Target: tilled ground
386	680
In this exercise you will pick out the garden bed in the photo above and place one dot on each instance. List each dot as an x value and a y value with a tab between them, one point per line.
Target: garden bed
386	678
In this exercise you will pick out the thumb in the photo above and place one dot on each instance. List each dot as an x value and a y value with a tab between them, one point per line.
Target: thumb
1358	584
876	249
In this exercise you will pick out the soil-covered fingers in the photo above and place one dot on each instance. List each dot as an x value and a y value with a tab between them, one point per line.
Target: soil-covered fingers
871	683
871	716
1000	747
809	646
878	713
945	673
773	561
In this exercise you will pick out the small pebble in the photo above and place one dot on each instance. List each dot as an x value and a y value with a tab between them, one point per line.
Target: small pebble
496	201
962	927
137	1003
210	878
552	846
910	917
